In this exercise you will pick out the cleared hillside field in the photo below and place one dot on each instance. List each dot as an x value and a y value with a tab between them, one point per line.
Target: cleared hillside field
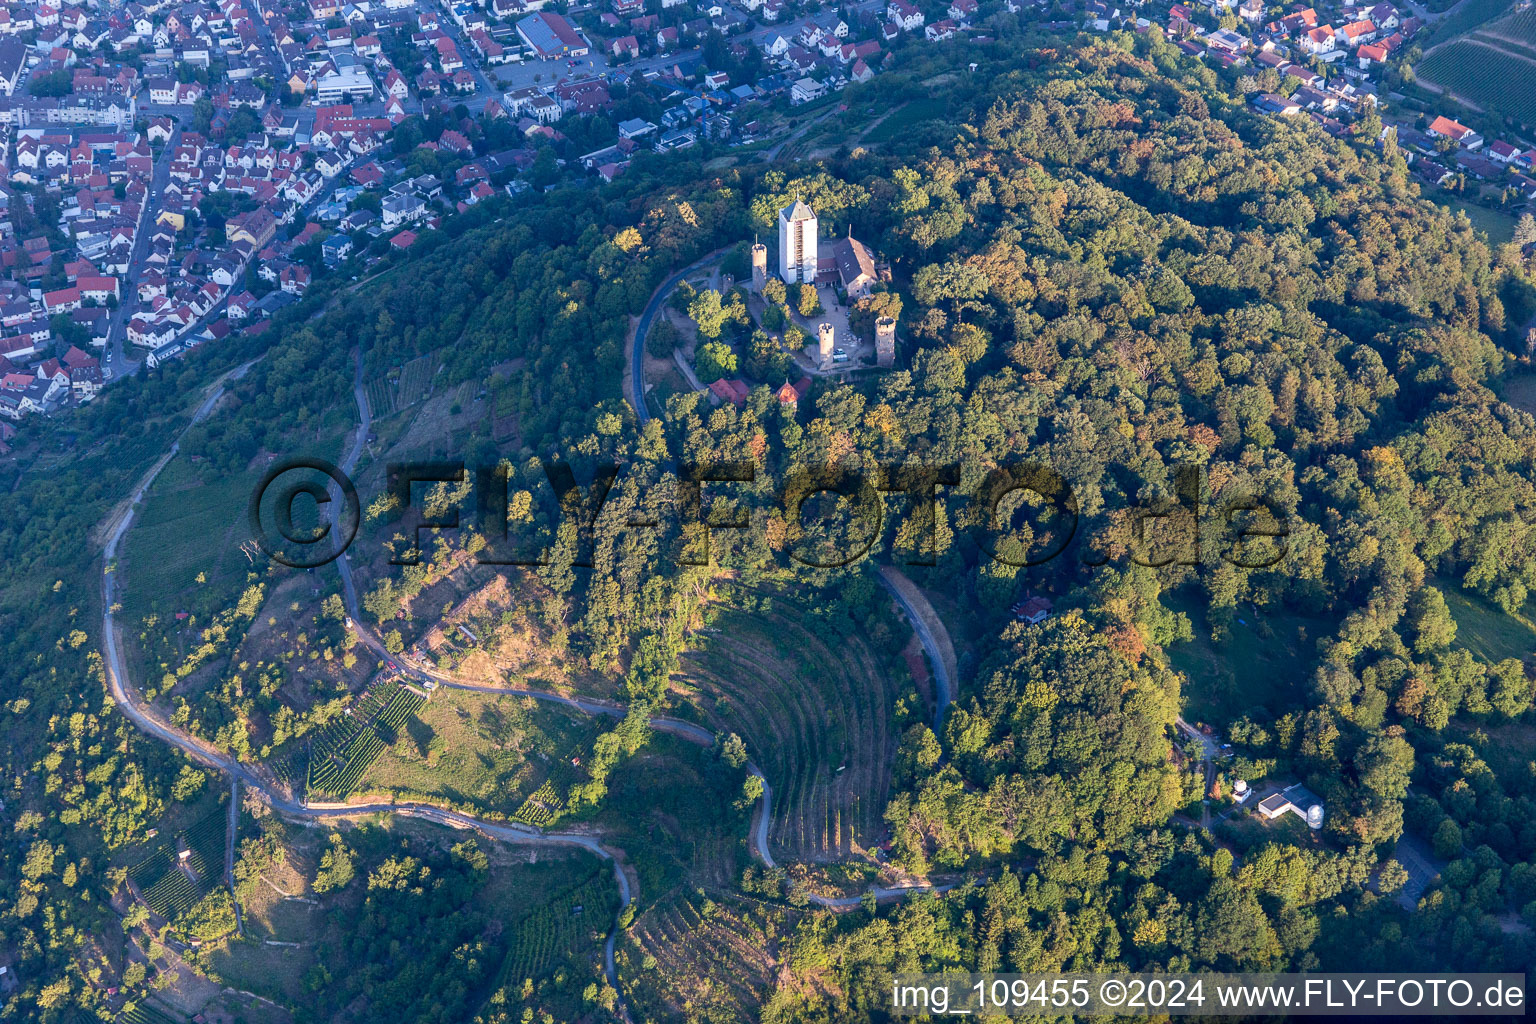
814	704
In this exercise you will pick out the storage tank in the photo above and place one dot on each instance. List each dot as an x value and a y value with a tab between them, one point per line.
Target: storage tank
1315	816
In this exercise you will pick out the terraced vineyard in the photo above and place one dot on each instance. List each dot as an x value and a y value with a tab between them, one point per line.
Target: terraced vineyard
161	876
205	838
173	895
143	1013
576	917
814	705
161	883
1516	28
410	384
712	963
344	749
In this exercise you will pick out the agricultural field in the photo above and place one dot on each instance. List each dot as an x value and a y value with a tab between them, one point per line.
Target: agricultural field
814	704
1496	79
171	884
160	569
1469	15
401	387
1485	56
691	958
505	754
144	1013
569	919
344	748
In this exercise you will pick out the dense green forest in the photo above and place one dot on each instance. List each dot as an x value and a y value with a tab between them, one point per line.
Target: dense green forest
1104	264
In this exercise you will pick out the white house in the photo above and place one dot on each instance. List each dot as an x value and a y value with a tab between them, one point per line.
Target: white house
904	16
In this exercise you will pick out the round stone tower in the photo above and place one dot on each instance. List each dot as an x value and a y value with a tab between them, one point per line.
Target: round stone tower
759	267
885	341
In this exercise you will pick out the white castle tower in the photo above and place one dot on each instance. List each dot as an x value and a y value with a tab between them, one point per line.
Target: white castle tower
797	244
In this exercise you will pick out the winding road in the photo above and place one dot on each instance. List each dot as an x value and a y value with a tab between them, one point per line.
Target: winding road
145	718
637	347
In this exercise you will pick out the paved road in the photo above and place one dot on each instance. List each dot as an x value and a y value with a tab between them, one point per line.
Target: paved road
647	316
116	357
943	683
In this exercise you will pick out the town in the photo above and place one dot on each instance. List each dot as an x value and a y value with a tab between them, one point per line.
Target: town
176	172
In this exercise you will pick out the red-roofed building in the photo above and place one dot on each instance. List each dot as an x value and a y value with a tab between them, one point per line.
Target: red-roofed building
733	391
404	240
790	394
1444	127
61	301
368	175
1371	53
99	289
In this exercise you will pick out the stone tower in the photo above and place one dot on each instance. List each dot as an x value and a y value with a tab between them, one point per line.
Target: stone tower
885	341
824	342
797	244
759	267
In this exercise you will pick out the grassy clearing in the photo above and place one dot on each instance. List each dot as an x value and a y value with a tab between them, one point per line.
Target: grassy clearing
1507	747
902	120
1498	225
1519	390
1246	830
1265	660
1485	629
484	750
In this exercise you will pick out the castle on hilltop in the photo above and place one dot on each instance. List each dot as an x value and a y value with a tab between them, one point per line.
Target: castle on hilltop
847	263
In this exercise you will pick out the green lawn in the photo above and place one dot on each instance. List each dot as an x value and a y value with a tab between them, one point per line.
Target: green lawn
1248	830
1266	661
1485	629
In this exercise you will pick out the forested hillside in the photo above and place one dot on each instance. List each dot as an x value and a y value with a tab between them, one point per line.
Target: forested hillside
1105	265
